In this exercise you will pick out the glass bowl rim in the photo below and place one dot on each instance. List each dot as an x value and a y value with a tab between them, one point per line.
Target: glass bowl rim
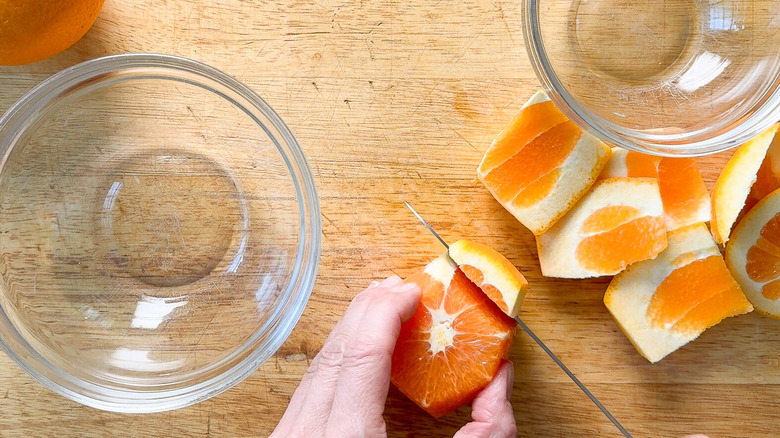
742	130
295	297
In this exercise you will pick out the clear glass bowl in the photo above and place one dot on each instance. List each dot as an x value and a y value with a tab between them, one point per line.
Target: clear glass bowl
159	232
669	77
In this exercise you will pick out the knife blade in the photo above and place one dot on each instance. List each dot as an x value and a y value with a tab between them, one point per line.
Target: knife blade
536	339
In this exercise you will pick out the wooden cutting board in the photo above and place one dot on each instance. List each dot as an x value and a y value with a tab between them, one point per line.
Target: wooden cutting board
394	101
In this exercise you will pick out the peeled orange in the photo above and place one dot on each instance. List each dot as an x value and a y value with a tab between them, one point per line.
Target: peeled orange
452	347
682	188
731	190
32	30
664	303
753	255
541	164
492	273
619	222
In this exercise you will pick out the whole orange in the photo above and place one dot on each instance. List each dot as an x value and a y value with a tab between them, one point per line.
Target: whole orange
32	30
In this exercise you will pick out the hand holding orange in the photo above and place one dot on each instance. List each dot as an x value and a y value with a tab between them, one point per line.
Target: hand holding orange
33	30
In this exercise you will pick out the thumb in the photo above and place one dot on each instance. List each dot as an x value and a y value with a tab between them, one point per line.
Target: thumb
491	409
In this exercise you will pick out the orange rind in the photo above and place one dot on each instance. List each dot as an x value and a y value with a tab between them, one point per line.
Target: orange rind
753	255
664	303
731	190
541	164
682	188
619	222
491	272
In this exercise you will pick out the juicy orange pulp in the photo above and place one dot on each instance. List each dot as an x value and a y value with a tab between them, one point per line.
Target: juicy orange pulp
763	259
452	346
476	277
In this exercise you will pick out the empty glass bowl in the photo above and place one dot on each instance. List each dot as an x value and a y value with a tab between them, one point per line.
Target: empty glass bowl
670	77
159	232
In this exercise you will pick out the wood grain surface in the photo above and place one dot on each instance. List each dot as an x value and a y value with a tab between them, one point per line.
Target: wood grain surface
392	101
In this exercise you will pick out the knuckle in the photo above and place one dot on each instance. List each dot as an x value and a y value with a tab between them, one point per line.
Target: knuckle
364	353
330	356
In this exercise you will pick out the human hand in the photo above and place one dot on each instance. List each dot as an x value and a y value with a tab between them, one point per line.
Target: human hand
343	393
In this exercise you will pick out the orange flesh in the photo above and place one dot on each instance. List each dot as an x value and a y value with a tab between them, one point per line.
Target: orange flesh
767	181
442	381
696	296
641	165
527	125
613	250
763	258
537	190
682	187
771	290
475	275
539	157
607	218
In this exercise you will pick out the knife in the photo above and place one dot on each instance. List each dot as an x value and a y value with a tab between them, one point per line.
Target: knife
537	340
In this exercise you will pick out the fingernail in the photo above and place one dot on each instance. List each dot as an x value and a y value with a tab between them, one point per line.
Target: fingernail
391	281
405	287
373	284
510	380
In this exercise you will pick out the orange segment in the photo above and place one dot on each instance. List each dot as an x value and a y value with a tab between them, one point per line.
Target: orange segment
541	164
452	346
619	222
492	273
753	254
733	186
682	188
530	122
664	303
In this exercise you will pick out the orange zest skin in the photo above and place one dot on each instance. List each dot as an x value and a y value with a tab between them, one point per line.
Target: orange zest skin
696	296
536	159
527	124
611	251
481	336
33	30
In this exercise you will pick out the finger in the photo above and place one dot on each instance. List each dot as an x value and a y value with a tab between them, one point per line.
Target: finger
365	373
491	410
314	395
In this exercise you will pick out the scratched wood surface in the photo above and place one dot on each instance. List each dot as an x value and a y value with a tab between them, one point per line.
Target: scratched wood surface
393	101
